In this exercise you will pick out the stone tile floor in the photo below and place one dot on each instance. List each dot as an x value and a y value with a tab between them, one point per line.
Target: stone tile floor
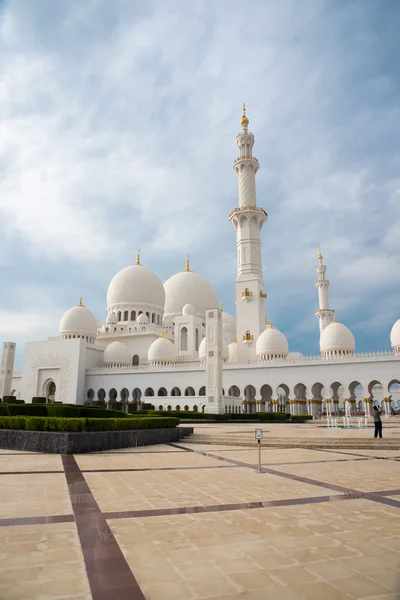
192	521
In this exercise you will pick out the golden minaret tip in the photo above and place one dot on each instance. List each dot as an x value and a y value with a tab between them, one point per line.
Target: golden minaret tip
138	257
244	120
187	266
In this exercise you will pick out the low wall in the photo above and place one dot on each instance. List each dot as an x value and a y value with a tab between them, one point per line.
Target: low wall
89	441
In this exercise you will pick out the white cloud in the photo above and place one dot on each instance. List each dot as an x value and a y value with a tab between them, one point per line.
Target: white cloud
118	126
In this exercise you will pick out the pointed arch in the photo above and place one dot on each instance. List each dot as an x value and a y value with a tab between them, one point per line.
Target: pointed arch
234	391
184	339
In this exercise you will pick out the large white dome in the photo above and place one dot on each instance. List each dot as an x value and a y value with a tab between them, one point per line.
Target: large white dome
272	343
188	287
117	353
337	337
395	335
162	350
233	351
228	327
78	320
203	348
136	284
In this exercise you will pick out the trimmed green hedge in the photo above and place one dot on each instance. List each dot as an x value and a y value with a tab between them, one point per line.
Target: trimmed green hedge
12	400
265	416
39	400
75	425
4	410
301	418
32	410
62	410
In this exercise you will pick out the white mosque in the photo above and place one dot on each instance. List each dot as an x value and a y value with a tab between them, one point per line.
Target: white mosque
169	344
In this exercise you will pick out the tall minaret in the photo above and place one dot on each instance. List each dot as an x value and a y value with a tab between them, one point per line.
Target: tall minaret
324	314
248	220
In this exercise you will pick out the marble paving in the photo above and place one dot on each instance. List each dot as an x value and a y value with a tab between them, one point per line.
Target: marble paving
192	521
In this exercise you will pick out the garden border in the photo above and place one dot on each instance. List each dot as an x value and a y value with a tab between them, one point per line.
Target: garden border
88	441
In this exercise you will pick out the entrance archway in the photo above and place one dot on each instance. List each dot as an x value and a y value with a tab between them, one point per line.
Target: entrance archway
50	391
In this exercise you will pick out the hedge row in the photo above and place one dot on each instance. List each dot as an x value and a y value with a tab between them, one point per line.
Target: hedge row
60	410
12	400
301	418
76	425
265	416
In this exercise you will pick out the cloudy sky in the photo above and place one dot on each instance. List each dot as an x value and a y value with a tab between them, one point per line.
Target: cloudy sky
117	131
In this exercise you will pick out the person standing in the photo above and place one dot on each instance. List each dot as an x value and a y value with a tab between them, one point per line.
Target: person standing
377	422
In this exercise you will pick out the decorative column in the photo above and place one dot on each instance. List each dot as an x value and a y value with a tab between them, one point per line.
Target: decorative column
214	372
7	368
324	314
248	220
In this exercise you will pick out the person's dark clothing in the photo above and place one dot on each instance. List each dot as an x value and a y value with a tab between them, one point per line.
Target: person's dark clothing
378	429
377	423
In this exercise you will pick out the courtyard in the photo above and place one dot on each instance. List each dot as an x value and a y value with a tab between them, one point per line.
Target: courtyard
196	520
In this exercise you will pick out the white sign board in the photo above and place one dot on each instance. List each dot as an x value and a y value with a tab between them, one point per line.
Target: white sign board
259	434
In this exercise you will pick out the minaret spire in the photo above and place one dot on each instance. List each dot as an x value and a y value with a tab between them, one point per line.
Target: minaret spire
248	220
324	314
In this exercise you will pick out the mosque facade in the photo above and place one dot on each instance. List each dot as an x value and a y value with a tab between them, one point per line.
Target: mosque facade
171	345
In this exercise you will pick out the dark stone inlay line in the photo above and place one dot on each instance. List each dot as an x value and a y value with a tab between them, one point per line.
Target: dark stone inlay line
185	510
30	472
354	454
388	493
100	454
158	469
110	577
120	470
36	520
374	496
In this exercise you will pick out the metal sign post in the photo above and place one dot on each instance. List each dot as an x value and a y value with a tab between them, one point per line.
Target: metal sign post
259	437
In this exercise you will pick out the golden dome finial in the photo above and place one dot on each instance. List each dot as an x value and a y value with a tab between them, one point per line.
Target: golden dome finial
235	340
117	338
80	301
320	257
221	308
187	266
270	324
244	120
138	257
162	334
334	318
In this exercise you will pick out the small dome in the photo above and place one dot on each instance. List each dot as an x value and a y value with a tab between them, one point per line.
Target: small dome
142	319
203	348
117	353
228	327
136	284
233	351
168	323
337	337
162	350
395	335
272	342
78	320
111	319
184	285
188	309
99	323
